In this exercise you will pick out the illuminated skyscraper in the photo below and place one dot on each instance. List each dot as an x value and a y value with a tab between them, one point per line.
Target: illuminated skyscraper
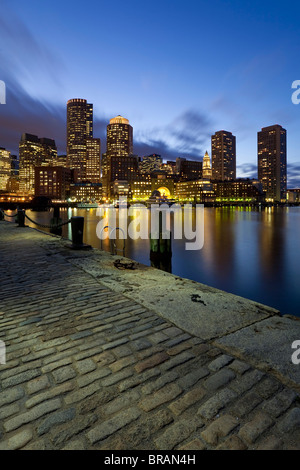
118	162
119	137
5	168
34	152
272	171
93	169
223	154
79	129
206	167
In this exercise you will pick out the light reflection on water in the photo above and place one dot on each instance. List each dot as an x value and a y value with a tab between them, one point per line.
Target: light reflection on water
251	253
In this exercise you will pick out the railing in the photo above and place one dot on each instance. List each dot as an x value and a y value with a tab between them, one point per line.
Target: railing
77	225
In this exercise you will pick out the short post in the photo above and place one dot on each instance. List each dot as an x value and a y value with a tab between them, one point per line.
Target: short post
56	220
1	215
21	217
77	225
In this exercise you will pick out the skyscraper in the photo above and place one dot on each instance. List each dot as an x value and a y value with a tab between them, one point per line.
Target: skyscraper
34	152
119	137
79	129
223	154
5	168
118	161
206	167
93	168
272	168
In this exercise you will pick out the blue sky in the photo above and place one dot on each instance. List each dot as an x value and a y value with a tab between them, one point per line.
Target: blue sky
179	71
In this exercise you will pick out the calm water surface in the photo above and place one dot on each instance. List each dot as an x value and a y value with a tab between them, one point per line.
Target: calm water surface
254	254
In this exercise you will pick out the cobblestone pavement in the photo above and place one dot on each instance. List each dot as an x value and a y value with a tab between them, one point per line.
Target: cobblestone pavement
88	368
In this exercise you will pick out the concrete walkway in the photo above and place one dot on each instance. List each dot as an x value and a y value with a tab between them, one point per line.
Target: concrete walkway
103	358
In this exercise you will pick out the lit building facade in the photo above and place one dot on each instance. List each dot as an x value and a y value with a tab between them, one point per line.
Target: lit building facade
86	192
241	190
34	152
93	163
118	163
200	190
53	182
223	155
79	129
5	168
119	137
272	165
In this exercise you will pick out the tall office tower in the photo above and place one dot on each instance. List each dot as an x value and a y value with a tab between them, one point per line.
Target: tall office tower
34	152
93	168
79	129
272	171
223	154
206	167
119	137
5	168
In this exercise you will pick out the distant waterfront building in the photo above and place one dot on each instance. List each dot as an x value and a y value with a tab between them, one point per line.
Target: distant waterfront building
34	152
293	195
206	167
223	154
240	190
86	192
272	166
79	129
200	190
5	168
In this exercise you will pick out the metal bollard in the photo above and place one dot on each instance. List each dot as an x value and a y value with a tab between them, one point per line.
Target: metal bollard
77	224
21	217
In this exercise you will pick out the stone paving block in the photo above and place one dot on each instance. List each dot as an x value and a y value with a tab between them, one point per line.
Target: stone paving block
32	415
290	421
217	402
220	362
107	428
219	379
250	431
221	427
187	400
17	441
152	361
165	394
176	433
38	384
60	417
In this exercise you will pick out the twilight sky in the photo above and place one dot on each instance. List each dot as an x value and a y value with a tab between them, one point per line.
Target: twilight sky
179	71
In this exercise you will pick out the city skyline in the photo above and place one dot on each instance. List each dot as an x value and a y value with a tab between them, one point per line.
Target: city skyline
166	80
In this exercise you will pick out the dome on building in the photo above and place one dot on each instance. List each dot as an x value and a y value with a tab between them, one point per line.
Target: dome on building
155	193
119	120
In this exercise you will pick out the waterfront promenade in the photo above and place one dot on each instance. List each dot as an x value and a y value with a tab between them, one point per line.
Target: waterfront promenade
115	359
